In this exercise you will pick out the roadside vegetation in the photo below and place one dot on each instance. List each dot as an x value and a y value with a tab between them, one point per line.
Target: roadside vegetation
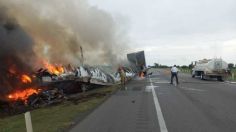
59	117
232	68
233	74
183	68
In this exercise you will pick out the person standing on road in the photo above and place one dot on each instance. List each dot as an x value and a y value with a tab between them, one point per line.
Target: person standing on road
122	76
174	73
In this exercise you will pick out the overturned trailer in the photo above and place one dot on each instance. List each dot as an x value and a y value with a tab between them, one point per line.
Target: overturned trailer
138	62
86	74
79	79
48	88
94	75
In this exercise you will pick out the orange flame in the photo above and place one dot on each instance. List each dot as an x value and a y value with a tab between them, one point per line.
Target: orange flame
25	79
55	69
22	95
142	75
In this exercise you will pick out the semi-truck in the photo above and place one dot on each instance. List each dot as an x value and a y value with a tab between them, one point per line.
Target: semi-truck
137	61
211	68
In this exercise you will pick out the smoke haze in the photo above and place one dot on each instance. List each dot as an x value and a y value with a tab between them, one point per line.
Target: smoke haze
34	31
58	29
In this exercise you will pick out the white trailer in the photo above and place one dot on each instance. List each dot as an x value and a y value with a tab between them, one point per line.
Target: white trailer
211	68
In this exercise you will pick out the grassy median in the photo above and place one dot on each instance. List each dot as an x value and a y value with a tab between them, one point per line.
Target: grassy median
59	117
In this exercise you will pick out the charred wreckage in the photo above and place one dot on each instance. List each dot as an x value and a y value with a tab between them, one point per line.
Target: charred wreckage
54	84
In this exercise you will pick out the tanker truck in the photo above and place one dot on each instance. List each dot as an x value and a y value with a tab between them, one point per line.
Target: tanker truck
211	68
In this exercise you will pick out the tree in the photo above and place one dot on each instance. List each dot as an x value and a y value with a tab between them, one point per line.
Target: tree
231	65
156	65
190	66
184	67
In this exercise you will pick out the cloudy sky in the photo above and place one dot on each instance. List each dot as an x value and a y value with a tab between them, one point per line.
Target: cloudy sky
177	31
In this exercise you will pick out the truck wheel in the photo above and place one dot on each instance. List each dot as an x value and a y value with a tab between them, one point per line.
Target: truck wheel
220	78
193	74
202	76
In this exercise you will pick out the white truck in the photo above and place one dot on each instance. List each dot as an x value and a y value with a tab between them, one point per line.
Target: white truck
211	68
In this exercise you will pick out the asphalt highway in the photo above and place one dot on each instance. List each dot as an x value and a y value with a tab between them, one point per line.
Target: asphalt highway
152	104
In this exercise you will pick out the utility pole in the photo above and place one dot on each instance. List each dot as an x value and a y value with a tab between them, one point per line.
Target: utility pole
82	56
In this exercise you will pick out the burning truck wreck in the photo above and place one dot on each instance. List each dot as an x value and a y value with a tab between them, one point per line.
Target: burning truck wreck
36	48
54	84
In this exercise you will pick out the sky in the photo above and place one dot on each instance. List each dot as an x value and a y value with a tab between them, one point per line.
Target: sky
177	31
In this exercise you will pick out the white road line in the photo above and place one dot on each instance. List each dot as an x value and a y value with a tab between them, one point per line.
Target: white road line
160	117
162	82
192	89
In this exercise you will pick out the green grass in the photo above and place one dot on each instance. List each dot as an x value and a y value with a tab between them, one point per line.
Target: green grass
185	70
54	118
232	78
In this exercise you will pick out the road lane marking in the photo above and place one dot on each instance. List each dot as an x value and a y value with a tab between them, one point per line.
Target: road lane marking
231	84
192	89
160	117
149	88
164	82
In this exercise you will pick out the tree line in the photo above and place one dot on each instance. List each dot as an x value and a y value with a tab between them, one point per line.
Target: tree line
190	66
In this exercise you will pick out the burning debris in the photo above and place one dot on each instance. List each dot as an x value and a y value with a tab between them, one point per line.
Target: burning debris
26	79
35	36
54	69
14	69
47	86
22	95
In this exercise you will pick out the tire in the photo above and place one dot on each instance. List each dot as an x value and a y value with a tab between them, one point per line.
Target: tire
193	74
202	76
220	79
